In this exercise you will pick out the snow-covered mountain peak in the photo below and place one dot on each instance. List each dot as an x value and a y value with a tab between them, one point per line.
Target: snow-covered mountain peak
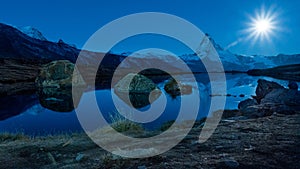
32	32
216	46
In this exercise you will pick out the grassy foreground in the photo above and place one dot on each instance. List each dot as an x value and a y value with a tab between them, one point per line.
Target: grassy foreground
268	142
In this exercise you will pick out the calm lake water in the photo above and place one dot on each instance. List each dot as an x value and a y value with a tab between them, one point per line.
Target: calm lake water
25	113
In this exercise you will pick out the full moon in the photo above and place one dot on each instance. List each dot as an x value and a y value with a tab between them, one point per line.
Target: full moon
262	26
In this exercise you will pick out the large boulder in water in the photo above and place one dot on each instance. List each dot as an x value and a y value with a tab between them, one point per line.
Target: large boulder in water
141	90
271	97
55	86
135	83
264	87
59	74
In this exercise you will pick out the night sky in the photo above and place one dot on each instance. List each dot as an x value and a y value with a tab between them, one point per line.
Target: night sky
228	22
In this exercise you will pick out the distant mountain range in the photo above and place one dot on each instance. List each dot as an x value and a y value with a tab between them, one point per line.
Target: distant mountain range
29	44
286	72
23	51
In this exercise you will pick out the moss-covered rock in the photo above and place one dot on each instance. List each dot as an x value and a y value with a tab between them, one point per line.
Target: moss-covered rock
135	83
55	86
141	90
59	74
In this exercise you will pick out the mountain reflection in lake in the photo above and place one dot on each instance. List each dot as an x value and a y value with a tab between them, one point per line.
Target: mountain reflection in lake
38	115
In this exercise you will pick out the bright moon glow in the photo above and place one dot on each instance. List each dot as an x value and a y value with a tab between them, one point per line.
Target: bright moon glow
263	25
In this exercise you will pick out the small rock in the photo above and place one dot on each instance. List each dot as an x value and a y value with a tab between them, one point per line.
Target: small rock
219	147
195	142
142	167
116	157
246	103
230	113
51	158
238	118
67	143
229	163
79	157
229	121
293	85
174	88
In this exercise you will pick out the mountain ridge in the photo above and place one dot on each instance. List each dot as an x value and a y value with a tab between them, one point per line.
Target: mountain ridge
15	44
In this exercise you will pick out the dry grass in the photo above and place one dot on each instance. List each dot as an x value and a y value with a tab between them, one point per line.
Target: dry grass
123	125
6	136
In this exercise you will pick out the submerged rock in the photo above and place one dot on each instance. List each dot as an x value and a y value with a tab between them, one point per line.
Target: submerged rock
242	95
141	90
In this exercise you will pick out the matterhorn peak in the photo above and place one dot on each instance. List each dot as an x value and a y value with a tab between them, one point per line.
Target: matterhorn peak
216	46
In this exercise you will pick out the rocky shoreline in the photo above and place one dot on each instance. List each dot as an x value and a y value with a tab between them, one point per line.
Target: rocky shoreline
271	98
267	142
